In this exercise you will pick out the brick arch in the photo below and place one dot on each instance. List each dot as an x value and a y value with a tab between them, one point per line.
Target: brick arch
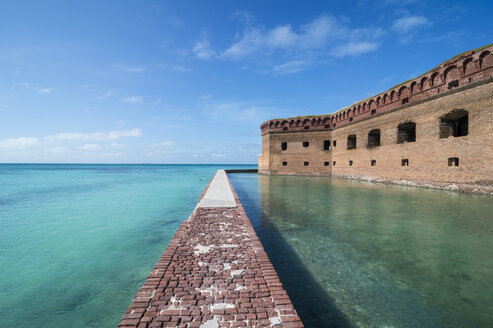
298	122
468	67
379	101
306	121
364	107
271	124
424	83
291	123
359	109
326	119
435	79
284	123
371	104
403	92
385	99
392	96
451	73
414	87
485	59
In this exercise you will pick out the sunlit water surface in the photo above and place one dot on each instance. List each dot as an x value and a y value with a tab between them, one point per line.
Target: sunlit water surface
78	241
353	254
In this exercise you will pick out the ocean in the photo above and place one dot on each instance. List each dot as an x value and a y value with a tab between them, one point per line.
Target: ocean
78	241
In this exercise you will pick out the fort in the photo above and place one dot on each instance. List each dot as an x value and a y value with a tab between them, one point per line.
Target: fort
435	131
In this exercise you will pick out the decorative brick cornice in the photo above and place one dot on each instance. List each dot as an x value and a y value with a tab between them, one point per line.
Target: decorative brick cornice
469	67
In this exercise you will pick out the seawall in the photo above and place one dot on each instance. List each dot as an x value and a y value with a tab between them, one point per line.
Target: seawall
214	273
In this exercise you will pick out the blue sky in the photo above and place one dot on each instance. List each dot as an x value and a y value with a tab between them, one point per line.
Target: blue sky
191	81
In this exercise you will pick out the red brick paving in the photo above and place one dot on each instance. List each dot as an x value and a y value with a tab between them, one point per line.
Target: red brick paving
214	273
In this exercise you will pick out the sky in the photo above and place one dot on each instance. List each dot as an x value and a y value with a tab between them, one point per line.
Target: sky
191	81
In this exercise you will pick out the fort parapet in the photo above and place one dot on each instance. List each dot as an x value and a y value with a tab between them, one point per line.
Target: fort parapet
434	130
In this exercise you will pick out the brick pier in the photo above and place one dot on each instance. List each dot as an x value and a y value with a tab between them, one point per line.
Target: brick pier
214	273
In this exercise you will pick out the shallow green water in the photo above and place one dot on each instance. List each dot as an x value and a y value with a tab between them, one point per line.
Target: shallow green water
353	254
78	241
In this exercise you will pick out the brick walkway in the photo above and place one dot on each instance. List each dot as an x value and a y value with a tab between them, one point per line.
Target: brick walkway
214	273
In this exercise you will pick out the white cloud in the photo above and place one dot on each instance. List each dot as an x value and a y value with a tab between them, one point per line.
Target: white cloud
325	32
246	112
133	69
96	136
19	143
406	24
203	50
45	90
163	144
291	67
353	49
90	147
132	99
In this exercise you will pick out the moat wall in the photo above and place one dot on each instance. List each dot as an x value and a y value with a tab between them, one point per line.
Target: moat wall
430	158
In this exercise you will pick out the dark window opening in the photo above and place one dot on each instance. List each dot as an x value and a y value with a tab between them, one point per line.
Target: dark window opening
284	145
326	163
373	111
406	132
285	129
373	162
306	144
326	126
405	101
306	163
351	119
284	163
334	143
334	125
334	163
405	162
374	138
454	124
327	145
351	142
453	84
307	127
453	161
350	163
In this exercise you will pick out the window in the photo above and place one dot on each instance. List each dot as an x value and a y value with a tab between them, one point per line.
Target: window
373	162
326	163
334	143
406	132
454	123
334	163
307	127
453	84
285	128
350	163
453	161
334	125
405	101
404	162
306	144
306	163
284	145
326	126
351	119
374	138
327	145
351	142
284	163
373	111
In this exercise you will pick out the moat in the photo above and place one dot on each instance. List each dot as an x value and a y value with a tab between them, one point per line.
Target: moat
353	254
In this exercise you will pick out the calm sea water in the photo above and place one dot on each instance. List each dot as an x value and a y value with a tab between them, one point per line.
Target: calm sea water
353	254
78	241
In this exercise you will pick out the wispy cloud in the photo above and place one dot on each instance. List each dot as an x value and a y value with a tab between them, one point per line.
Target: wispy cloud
245	112
408	26
133	69
204	50
132	99
19	143
95	136
90	147
325	32
163	144
353	49
290	67
45	90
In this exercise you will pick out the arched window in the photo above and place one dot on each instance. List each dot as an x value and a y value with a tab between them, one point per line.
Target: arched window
351	142
374	138
454	123
406	132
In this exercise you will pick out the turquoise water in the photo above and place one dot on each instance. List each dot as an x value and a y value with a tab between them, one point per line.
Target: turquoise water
78	241
353	254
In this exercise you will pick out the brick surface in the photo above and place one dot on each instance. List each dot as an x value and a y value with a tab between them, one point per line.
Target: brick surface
214	273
